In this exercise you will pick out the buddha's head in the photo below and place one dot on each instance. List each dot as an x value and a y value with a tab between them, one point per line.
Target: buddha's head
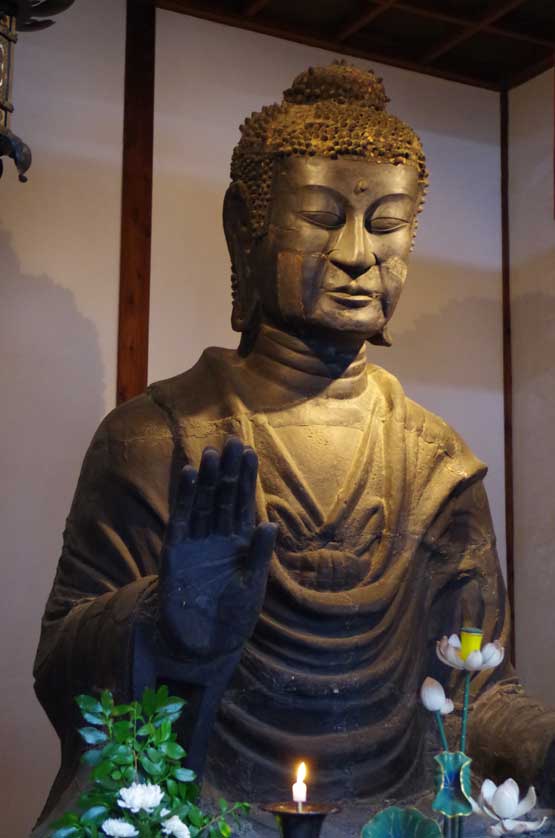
321	212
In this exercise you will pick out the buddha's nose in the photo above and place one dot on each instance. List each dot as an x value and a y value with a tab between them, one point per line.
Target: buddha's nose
354	253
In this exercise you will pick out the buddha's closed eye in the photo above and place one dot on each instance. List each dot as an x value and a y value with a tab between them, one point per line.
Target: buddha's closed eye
323	218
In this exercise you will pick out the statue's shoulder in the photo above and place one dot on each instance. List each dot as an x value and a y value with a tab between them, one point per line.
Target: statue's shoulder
421	423
150	416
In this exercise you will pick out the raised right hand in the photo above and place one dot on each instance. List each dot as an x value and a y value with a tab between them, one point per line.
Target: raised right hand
215	561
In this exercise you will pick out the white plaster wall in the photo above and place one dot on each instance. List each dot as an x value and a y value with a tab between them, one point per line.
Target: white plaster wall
447	330
59	254
532	230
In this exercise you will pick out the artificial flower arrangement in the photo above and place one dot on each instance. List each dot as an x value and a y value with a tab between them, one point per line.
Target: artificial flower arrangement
139	788
500	804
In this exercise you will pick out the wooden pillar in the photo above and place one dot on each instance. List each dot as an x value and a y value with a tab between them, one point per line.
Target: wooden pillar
136	203
507	356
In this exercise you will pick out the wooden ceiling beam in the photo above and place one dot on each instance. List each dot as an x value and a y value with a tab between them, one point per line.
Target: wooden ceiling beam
529	72
363	20
460	21
500	9
254	6
254	25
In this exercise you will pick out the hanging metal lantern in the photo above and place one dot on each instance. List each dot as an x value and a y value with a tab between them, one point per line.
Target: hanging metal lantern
19	16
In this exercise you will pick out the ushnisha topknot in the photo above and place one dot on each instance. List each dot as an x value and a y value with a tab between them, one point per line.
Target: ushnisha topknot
331	111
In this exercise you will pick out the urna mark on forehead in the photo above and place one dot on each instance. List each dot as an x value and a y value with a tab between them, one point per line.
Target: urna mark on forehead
354	179
335	112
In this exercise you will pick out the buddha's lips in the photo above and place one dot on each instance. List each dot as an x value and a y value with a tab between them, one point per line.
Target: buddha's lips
355	298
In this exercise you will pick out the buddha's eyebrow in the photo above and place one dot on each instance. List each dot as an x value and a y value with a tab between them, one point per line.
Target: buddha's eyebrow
327	190
394	197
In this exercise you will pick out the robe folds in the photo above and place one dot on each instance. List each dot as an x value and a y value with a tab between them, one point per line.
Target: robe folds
358	593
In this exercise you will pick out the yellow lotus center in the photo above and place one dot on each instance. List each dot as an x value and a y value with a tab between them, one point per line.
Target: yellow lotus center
471	641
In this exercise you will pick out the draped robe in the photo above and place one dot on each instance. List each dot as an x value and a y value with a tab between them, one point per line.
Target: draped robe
357	594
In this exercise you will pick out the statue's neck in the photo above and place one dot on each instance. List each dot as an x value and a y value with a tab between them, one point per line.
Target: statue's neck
308	367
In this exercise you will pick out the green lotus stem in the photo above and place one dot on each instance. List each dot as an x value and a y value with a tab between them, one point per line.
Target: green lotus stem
441	727
465	710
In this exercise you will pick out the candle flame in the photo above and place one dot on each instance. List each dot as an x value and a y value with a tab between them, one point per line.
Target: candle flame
301	772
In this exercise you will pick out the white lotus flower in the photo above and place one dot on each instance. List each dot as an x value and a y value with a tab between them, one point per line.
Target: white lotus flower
118	828
434	698
140	796
175	826
448	651
502	804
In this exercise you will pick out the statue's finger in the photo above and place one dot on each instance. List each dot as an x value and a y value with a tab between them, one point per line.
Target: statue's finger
178	524
245	505
226	490
260	554
201	523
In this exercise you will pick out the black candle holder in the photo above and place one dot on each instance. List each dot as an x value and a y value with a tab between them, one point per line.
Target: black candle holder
300	821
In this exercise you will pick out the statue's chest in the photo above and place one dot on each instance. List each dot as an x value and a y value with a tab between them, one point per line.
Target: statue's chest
323	456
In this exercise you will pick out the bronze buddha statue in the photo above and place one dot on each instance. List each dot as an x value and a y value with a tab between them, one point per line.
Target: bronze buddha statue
296	608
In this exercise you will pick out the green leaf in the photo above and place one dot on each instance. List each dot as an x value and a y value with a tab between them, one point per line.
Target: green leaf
95	796
172	750
154	755
94	720
224	828
122	709
146	730
92	736
152	768
92	757
95	814
395	822
122	755
184	775
102	770
116	775
162	694
68	819
171	706
107	701
122	731
195	816
67	832
150	702
165	730
88	704
129	775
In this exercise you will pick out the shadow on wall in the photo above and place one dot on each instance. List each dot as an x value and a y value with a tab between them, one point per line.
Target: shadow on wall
447	330
51	382
534	449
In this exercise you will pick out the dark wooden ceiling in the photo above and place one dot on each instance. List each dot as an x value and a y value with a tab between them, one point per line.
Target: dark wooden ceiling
489	43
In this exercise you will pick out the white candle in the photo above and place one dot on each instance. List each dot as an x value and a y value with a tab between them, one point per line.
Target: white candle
299	788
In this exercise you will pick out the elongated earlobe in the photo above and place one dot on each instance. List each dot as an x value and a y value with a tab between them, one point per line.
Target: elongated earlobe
383	338
239	237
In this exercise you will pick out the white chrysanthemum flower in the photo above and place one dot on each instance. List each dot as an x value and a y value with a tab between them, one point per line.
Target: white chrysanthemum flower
117	828
139	796
434	698
175	826
449	652
502	804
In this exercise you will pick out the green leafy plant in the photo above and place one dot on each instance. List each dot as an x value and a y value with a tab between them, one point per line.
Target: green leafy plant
139	786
